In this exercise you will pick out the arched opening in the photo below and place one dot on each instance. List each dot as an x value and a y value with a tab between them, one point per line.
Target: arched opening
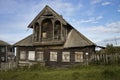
47	30
36	32
57	30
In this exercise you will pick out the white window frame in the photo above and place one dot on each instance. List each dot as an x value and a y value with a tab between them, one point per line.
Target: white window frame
40	56
53	56
78	56
31	55
66	56
22	55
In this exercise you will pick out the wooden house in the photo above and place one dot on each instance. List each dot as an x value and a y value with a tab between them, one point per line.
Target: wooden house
54	42
6	51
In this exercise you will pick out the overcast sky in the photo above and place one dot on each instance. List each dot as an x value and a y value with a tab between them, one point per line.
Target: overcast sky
98	20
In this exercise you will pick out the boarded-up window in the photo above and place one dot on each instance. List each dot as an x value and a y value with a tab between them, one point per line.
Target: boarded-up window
40	56
78	56
53	56
22	55
66	56
31	55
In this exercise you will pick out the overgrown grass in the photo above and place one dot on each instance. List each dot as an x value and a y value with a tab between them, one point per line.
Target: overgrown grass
91	72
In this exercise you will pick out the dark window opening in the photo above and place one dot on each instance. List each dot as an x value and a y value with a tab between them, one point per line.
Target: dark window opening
36	34
47	30
57	30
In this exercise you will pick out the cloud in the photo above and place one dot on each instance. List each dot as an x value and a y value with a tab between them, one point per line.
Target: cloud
95	1
113	40
106	3
21	13
101	33
92	20
113	27
118	10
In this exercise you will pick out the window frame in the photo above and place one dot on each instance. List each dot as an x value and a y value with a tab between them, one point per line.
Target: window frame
23	53
33	56
40	56
53	54
63	56
81	57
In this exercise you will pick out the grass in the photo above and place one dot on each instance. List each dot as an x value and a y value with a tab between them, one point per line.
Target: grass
91	72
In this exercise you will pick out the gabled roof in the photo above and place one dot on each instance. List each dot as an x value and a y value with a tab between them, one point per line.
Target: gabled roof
3	43
76	39
25	42
59	17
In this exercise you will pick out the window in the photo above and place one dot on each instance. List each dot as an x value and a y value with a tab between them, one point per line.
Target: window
2	58
47	29
31	55
66	56
78	56
44	35
2	49
39	56
36	34
57	30
53	56
22	55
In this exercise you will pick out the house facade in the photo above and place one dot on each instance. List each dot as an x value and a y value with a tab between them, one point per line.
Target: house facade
6	52
54	42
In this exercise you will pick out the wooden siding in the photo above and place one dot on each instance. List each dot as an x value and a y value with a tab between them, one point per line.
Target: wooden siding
59	62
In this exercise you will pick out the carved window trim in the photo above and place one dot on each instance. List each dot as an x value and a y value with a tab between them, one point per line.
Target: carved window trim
66	56
78	56
23	55
53	56
40	56
31	55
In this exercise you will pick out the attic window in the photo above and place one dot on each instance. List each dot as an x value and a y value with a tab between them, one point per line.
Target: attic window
44	35
47	29
57	30
36	34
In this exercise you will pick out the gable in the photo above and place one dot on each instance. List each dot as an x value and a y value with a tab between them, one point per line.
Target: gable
69	37
47	12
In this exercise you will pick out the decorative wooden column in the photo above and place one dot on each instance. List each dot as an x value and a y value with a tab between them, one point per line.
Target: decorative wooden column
61	31
53	23
33	33
40	32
